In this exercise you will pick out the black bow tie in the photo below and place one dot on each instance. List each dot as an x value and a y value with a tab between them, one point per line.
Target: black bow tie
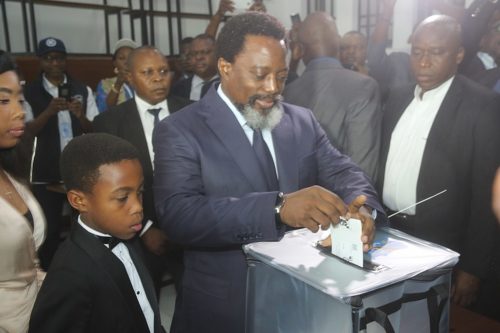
110	241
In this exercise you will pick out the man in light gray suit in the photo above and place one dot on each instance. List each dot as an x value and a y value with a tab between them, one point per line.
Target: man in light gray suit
346	103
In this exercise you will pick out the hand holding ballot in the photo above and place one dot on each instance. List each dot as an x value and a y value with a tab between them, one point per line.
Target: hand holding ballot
358	210
312	207
316	207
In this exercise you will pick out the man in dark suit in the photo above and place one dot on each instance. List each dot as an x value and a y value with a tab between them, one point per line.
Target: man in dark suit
490	79
443	135
150	76
346	103
204	67
97	281
238	167
487	56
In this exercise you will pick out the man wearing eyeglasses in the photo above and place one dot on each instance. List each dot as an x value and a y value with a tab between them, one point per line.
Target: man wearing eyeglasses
204	66
134	120
62	108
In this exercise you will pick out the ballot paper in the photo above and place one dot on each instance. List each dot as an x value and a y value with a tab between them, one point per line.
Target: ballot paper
346	241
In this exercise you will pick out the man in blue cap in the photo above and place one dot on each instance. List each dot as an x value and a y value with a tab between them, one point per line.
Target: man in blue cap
62	109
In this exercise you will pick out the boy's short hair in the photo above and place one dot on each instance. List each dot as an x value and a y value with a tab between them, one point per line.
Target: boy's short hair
84	155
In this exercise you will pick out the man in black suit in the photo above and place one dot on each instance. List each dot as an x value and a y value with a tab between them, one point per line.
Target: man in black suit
487	56
134	120
239	166
443	135
204	67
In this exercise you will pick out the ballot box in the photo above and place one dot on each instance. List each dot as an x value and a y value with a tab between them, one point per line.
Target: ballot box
293	286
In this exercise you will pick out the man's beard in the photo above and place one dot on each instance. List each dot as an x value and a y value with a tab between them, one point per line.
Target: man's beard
264	119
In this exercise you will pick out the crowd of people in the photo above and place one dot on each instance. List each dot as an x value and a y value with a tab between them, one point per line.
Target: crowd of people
174	169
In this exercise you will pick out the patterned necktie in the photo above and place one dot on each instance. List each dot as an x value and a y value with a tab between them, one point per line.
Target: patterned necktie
110	241
156	114
265	160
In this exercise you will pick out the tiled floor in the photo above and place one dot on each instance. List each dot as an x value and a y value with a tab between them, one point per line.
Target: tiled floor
167	301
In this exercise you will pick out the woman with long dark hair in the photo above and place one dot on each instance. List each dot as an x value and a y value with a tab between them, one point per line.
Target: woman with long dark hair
22	224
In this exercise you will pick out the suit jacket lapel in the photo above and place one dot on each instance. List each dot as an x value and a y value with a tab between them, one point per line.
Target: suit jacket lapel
174	104
227	129
109	263
391	116
445	118
132	126
286	155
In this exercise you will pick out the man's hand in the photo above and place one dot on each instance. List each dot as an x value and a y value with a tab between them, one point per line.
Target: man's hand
121	78
388	4
56	104
464	289
358	210
76	108
257	6
155	240
224	7
312	208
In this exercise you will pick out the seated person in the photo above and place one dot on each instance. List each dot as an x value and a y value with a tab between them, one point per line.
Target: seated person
97	281
115	90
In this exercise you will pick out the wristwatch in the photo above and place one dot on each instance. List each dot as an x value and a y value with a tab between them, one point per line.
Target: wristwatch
280	202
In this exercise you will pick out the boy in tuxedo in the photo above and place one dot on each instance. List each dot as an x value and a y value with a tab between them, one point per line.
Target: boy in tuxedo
97	281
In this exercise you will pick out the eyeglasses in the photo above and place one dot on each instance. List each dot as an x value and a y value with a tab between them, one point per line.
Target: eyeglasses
200	53
149	73
51	58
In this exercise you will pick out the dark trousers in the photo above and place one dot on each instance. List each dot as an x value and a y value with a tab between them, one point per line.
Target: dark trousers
489	291
52	205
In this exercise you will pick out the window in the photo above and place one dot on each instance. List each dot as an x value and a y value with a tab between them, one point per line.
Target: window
368	11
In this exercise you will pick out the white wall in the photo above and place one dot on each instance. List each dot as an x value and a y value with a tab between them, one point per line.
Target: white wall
405	17
346	13
83	30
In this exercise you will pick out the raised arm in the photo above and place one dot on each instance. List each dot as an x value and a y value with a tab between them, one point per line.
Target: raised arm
224	7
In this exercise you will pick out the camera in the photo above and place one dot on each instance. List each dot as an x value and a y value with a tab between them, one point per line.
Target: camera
295	18
64	91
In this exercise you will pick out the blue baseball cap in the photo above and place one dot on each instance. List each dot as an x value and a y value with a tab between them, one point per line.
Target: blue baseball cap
50	44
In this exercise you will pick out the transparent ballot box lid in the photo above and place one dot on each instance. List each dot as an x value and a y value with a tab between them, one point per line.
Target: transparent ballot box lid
395	257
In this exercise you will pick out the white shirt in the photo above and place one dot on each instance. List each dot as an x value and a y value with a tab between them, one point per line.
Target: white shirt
121	252
196	86
91	111
63	116
147	120
487	60
407	146
266	133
